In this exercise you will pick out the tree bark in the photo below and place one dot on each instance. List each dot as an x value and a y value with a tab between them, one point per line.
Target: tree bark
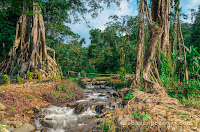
155	34
31	58
165	46
140	43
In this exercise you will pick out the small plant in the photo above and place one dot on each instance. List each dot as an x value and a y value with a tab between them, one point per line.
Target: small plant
146	116
29	75
15	70
31	96
137	116
73	95
6	79
39	76
129	95
20	80
58	78
76	79
51	78
53	92
119	85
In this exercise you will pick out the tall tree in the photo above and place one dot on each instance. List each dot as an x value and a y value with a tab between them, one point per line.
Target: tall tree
157	21
29	51
140	42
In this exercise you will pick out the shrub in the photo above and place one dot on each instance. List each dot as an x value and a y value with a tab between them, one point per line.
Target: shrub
29	75
58	78
15	71
51	78
129	95
73	95
119	85
31	96
6	79
39	76
20	80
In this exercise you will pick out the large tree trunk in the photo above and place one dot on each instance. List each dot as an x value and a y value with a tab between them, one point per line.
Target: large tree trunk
165	46
155	34
29	52
149	57
140	42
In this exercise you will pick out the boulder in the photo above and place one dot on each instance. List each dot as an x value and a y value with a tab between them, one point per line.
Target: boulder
27	127
4	122
2	107
79	109
15	124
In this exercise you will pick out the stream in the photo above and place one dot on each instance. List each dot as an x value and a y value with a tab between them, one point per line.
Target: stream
81	115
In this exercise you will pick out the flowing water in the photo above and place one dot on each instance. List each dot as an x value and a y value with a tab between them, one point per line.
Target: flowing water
79	115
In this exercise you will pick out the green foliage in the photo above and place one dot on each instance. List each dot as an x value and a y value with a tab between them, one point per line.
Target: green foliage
186	93
73	95
53	92
6	79
31	96
166	65
20	80
146	116
129	95
51	78
193	62
29	75
195	35
120	85
137	116
8	19
39	76
72	57
110	50
15	70
58	78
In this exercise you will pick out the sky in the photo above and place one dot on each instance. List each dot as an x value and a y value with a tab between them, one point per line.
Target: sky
126	8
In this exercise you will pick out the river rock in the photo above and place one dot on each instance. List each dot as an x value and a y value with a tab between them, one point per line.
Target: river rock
72	105
2	107
45	123
4	122
15	124
36	109
27	127
79	109
99	108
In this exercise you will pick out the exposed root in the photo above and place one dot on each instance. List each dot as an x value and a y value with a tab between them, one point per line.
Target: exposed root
29	52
